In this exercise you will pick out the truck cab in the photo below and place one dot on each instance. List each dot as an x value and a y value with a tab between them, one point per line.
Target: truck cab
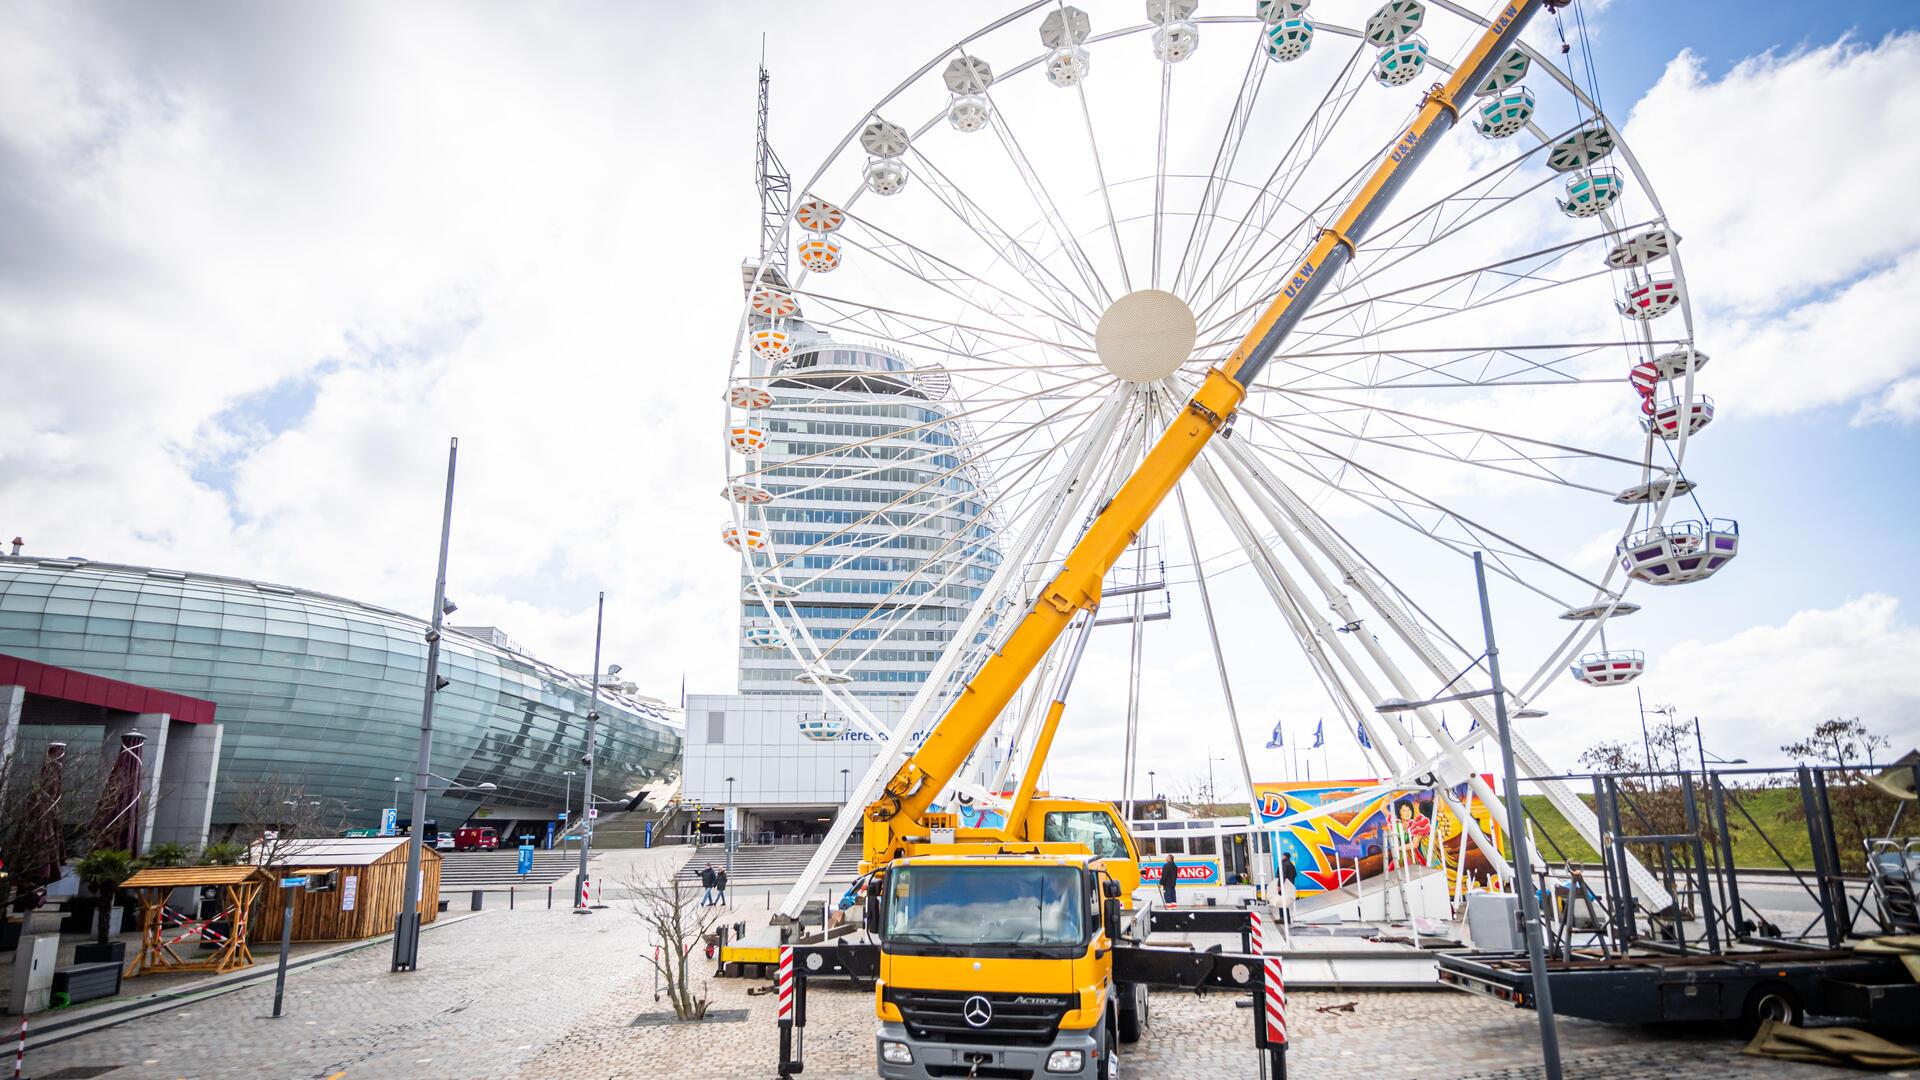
996	960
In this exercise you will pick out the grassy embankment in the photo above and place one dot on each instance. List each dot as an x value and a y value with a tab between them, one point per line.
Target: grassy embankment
1766	806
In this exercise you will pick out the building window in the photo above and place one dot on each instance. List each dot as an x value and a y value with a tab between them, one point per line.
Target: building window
716	727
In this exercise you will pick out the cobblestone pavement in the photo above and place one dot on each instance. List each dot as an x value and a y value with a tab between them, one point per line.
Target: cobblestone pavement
540	994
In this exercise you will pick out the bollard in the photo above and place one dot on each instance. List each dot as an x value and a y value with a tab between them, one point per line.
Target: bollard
1273	1026
509	898
20	1054
549	898
783	996
477	895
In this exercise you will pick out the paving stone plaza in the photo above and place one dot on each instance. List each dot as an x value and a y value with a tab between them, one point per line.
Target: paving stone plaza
540	993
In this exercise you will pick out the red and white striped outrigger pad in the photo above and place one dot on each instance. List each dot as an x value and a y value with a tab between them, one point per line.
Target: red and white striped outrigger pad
1273	990
783	983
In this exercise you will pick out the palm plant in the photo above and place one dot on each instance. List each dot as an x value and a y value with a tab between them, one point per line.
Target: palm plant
102	870
169	855
223	853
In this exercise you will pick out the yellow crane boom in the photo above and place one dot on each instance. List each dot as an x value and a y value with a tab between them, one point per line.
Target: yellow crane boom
897	812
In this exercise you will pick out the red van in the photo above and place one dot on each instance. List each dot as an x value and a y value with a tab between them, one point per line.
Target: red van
475	839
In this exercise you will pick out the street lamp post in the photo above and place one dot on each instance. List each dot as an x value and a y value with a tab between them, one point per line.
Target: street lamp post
586	787
406	928
726	827
1516	829
843	787
1153	789
566	803
1702	746
396	801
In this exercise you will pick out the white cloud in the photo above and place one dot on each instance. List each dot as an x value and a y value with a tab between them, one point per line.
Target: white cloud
1899	403
1784	177
1763	687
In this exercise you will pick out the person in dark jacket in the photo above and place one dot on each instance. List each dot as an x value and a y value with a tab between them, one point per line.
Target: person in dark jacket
707	880
1169	879
720	885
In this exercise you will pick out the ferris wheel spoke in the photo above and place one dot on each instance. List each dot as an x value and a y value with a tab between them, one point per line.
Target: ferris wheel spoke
1224	158
1294	163
1026	263
1160	168
1048	209
1106	192
1414	507
1471	367
941	274
921	330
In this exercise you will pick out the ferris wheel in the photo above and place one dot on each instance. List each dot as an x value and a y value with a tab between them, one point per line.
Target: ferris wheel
1015	268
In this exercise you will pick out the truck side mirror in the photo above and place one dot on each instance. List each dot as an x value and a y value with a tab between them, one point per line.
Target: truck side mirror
873	910
1110	888
1113	918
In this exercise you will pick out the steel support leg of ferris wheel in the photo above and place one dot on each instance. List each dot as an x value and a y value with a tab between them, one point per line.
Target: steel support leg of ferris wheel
1320	639
1064	495
1293	519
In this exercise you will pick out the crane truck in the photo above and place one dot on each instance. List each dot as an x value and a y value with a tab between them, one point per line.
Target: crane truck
1009	951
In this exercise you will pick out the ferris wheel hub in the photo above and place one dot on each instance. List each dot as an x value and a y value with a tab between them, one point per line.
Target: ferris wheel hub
1145	335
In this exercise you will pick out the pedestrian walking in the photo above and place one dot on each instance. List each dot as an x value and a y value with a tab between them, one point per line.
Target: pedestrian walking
1169	877
720	884
1288	892
708	879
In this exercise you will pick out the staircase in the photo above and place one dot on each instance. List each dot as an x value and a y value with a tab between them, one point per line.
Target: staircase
628	829
483	869
771	864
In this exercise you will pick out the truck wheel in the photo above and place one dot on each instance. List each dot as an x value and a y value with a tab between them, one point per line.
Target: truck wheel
1133	1012
1109	1032
1772	1001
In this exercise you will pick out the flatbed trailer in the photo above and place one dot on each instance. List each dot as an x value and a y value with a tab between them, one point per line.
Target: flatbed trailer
1645	987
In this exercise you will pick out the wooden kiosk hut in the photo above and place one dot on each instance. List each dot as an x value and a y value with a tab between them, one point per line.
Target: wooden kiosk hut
361	885
164	932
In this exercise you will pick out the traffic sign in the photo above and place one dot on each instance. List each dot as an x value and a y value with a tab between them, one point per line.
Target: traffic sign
526	859
593	814
389	821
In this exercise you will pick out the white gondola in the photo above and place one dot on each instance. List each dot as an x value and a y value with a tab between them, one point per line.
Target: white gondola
1615	668
769	302
825	676
1066	67
1611	609
1673	365
752	538
1396	21
1654	490
883	138
1582	148
1589	193
969	112
1504	114
764	636
1681	552
1665	421
885	176
1275	12
1176	41
746	494
819	255
1651	299
1649	246
822	727
1509	71
1401	63
819	216
1064	28
748	437
968	75
771	342
742	396
775	590
1289	39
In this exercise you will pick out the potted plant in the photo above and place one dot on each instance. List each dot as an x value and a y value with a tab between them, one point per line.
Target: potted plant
102	871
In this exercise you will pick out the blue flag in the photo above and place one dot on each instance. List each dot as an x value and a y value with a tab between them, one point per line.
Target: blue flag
1275	742
1319	735
1475	724
1443	726
1365	742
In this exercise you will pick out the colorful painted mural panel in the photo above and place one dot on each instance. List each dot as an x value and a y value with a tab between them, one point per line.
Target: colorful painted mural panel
1381	831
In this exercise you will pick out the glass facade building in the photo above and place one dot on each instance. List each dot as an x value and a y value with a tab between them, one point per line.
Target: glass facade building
324	694
879	518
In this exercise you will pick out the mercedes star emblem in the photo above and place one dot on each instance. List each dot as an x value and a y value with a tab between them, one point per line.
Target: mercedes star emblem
977	1011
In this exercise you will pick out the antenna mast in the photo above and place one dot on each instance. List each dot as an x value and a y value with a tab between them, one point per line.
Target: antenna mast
776	187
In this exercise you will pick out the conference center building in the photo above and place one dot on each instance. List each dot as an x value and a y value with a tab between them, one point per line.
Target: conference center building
319	697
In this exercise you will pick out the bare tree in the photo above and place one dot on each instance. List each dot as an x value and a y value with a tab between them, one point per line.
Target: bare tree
279	820
680	924
1846	748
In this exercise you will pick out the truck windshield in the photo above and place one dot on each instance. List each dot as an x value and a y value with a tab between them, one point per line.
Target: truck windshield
986	905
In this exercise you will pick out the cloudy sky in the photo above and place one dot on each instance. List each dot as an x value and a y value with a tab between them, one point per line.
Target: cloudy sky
259	262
